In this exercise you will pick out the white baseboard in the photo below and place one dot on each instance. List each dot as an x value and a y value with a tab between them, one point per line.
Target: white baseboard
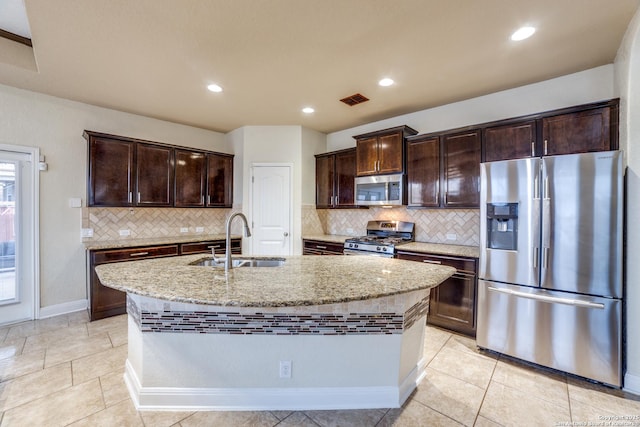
262	399
64	308
632	383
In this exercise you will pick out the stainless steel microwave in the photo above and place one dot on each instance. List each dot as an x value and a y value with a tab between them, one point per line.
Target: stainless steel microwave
379	190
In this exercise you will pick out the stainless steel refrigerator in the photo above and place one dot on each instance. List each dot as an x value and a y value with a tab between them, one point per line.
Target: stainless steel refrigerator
550	288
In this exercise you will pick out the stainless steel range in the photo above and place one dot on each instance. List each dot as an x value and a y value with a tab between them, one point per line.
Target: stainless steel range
381	239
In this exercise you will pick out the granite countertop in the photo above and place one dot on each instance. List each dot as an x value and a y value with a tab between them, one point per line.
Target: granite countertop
166	240
332	238
441	249
301	281
429	248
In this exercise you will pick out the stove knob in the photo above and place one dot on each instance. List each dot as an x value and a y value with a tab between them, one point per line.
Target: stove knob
384	249
350	245
377	248
355	245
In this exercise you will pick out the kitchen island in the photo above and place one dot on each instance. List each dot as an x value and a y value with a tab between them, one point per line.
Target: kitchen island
329	332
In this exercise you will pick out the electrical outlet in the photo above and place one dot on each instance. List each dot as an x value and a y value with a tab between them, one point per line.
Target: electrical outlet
86	232
285	369
124	233
199	229
349	231
452	236
184	229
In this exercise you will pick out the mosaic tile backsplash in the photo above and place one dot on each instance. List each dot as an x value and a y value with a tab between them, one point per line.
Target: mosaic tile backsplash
432	225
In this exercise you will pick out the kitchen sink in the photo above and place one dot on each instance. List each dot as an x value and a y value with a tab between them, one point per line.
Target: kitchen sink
238	262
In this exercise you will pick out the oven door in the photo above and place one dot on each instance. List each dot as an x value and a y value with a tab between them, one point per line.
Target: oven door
366	253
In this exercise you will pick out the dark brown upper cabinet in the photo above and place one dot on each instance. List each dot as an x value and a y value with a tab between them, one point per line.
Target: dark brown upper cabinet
190	178
381	152
219	180
111	171
124	172
154	175
578	132
511	141
423	171
461	169
335	179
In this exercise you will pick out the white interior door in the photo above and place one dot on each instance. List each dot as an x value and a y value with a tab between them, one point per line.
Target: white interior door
17	236
271	210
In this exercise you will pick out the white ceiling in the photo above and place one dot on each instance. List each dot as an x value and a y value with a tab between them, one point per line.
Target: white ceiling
13	18
273	57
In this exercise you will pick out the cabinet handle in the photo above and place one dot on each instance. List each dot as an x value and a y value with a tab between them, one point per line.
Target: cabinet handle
545	147
378	165
202	199
138	197
213	246
429	261
533	149
320	247
208	199
130	198
139	254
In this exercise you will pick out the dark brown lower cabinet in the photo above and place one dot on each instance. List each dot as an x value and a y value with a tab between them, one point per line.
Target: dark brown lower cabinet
452	304
317	247
107	302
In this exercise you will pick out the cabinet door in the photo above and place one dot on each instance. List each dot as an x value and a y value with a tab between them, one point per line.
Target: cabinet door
515	141
316	247
110	172
367	156
325	173
205	247
390	153
190	179
154	175
345	174
219	180
452	304
578	132
104	301
462	170
423	172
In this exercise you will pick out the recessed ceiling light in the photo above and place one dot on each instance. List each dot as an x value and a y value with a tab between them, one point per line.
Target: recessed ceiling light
523	33
214	88
386	82
308	110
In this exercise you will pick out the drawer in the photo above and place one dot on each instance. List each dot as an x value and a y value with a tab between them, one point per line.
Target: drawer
322	248
464	265
131	254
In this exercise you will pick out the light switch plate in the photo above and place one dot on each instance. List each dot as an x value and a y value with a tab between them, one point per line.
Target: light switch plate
184	229
86	232
452	236
199	229
75	202
124	233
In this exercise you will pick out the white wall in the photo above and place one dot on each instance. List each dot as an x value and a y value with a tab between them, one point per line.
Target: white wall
592	85
628	84
55	126
312	143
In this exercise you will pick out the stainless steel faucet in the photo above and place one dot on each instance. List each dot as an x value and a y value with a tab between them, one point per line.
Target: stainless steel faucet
247	232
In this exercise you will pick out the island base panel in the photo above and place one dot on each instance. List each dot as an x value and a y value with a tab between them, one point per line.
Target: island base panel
174	371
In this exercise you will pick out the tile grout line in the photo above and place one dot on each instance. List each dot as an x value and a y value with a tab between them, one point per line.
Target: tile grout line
484	395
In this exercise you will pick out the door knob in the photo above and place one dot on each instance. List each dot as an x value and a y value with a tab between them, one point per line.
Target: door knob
286	234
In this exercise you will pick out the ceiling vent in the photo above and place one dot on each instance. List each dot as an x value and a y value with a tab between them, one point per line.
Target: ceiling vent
354	99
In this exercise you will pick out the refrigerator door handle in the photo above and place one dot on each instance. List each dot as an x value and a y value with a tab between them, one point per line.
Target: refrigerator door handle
546	188
536	189
535	258
545	257
548	299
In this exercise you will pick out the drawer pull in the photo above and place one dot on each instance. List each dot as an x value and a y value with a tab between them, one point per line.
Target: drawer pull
429	261
321	247
213	247
139	254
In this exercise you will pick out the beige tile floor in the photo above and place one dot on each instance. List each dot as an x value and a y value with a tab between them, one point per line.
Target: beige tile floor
68	371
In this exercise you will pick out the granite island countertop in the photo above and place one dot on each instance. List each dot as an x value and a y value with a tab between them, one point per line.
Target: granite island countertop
302	280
